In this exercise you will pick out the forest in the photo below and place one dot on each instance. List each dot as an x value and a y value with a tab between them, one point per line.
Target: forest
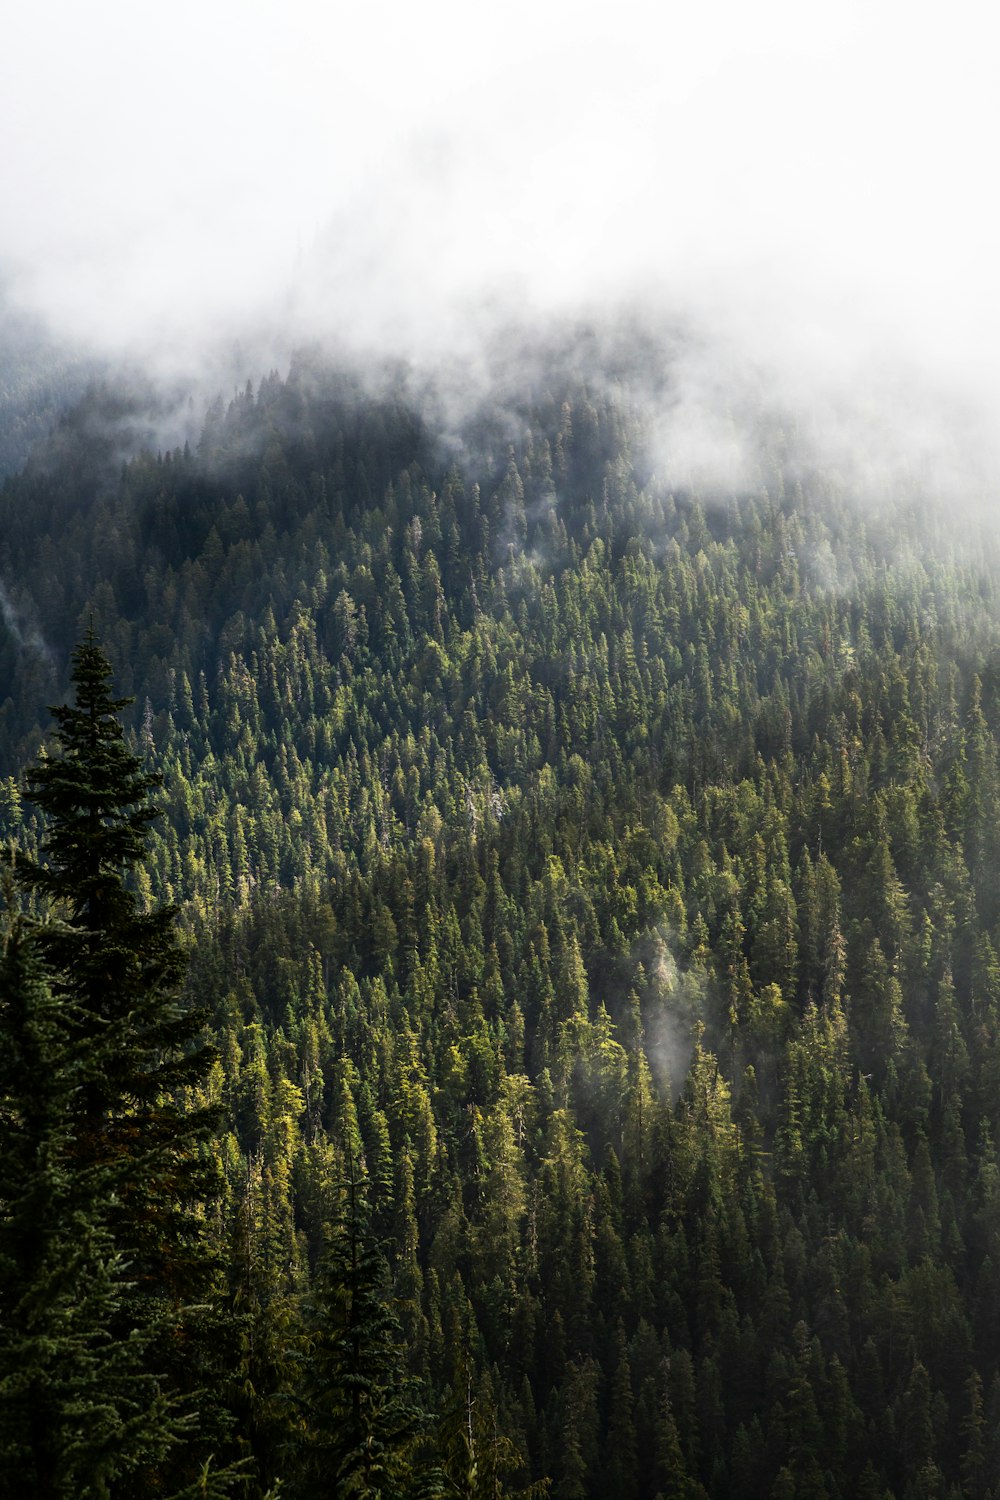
501	971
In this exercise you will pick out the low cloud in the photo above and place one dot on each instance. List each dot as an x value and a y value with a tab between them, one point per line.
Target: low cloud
799	196
25	634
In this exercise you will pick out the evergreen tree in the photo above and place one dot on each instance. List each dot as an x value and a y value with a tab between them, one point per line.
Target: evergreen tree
116	971
364	1418
78	1410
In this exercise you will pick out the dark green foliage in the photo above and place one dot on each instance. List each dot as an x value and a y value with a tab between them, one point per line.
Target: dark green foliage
114	1047
80	1410
363	1418
120	969
611	877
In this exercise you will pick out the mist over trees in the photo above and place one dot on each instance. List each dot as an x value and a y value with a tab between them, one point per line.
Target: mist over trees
591	893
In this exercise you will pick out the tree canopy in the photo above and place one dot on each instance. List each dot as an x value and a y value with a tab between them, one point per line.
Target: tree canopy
601	877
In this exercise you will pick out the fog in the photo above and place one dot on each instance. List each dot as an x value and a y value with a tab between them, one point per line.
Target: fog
808	191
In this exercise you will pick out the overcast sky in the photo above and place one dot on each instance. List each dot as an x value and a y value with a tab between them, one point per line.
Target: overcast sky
817	181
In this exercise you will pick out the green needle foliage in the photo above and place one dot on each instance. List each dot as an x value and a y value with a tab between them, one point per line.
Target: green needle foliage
612	875
135	1142
79	1409
364	1417
122	967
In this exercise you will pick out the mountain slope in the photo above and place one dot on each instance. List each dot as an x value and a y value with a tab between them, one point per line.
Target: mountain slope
611	872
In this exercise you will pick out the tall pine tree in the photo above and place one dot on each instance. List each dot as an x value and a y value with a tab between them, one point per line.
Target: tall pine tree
79	1410
363	1411
116	970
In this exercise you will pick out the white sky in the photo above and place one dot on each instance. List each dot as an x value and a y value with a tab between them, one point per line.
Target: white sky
818	180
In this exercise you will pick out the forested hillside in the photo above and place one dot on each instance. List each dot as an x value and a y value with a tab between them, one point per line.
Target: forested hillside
594	891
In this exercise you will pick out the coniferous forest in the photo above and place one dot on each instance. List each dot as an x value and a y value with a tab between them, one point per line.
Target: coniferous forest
500	990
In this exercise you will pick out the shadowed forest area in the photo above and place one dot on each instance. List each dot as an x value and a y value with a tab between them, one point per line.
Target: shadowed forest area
553	1035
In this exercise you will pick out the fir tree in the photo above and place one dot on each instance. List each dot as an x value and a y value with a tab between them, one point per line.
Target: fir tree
122	968
78	1409
117	970
363	1413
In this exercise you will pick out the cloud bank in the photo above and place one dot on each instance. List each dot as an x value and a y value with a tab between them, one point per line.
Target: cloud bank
808	187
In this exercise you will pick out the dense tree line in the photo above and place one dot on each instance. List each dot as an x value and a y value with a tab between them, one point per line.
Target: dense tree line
593	890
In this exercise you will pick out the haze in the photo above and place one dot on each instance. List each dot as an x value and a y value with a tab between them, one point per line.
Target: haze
811	186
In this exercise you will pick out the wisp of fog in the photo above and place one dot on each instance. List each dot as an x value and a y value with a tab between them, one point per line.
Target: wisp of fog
805	190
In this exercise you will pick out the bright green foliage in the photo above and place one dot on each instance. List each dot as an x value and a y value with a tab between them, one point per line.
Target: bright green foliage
609	872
